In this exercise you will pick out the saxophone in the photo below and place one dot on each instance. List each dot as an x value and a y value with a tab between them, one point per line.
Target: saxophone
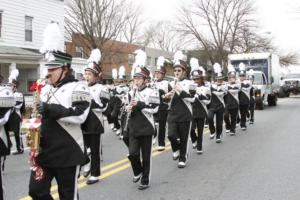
33	133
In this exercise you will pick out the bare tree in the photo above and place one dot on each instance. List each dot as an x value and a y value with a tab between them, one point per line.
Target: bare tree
132	30
94	22
291	58
215	24
163	35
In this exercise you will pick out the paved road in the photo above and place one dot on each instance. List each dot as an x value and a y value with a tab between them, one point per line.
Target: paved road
262	163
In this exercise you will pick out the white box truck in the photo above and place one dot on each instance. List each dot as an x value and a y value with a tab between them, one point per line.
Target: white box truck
266	68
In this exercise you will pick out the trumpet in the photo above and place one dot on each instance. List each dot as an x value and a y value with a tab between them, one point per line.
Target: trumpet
173	92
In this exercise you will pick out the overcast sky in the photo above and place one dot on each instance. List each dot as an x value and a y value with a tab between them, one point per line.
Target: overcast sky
275	16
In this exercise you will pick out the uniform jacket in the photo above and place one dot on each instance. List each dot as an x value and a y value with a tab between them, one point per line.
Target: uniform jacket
232	97
244	95
65	107
202	99
217	97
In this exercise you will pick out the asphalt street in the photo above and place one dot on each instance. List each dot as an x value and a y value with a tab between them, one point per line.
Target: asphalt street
262	163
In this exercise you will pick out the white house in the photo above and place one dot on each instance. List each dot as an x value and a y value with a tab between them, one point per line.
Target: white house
22	23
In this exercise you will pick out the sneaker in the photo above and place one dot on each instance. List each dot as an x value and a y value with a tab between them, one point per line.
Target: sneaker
199	152
160	148
18	152
118	132
143	186
137	178
153	141
181	164
91	180
244	128
114	129
194	145
176	155
251	121
86	170
227	131
112	126
232	133
205	126
121	137
212	136
219	139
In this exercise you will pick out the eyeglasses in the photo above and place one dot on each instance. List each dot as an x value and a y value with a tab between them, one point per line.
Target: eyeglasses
177	70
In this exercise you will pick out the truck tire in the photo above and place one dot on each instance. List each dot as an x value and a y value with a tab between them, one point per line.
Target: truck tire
281	93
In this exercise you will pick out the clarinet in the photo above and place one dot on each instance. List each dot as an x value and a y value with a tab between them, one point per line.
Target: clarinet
129	113
171	100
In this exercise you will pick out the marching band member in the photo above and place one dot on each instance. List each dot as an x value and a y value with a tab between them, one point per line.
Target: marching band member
217	105
15	119
180	110
163	87
64	106
144	103
116	104
231	101
244	96
252	97
202	99
7	102
93	127
122	92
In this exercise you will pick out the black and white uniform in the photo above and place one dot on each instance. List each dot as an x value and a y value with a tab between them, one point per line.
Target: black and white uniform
244	98
160	117
7	102
15	120
180	119
232	106
93	126
63	108
216	107
141	130
202	99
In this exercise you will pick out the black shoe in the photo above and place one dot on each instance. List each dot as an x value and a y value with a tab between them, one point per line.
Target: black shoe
251	121
86	174
135	179
91	180
143	186
18	152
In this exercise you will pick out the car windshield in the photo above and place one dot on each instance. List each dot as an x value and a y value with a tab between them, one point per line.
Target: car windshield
293	76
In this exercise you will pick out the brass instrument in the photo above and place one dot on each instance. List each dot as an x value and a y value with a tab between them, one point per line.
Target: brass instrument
129	113
173	90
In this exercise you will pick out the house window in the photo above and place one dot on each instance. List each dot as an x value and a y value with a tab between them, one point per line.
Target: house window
130	59
79	52
28	28
1	14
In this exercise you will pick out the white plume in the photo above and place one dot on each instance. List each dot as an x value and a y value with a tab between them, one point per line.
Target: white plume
140	58
160	61
95	56
251	72
194	64
217	68
114	73
179	56
121	71
52	38
242	67
12	67
13	75
231	68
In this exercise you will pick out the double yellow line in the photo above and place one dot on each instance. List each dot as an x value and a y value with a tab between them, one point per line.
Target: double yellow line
115	168
109	170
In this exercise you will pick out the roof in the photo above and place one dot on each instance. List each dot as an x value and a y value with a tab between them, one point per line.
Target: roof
247	56
18	51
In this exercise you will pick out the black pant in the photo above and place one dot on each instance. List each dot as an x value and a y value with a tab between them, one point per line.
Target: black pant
199	124
66	179
141	144
219	121
243	112
252	108
92	141
162	120
1	182
19	142
230	118
181	131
